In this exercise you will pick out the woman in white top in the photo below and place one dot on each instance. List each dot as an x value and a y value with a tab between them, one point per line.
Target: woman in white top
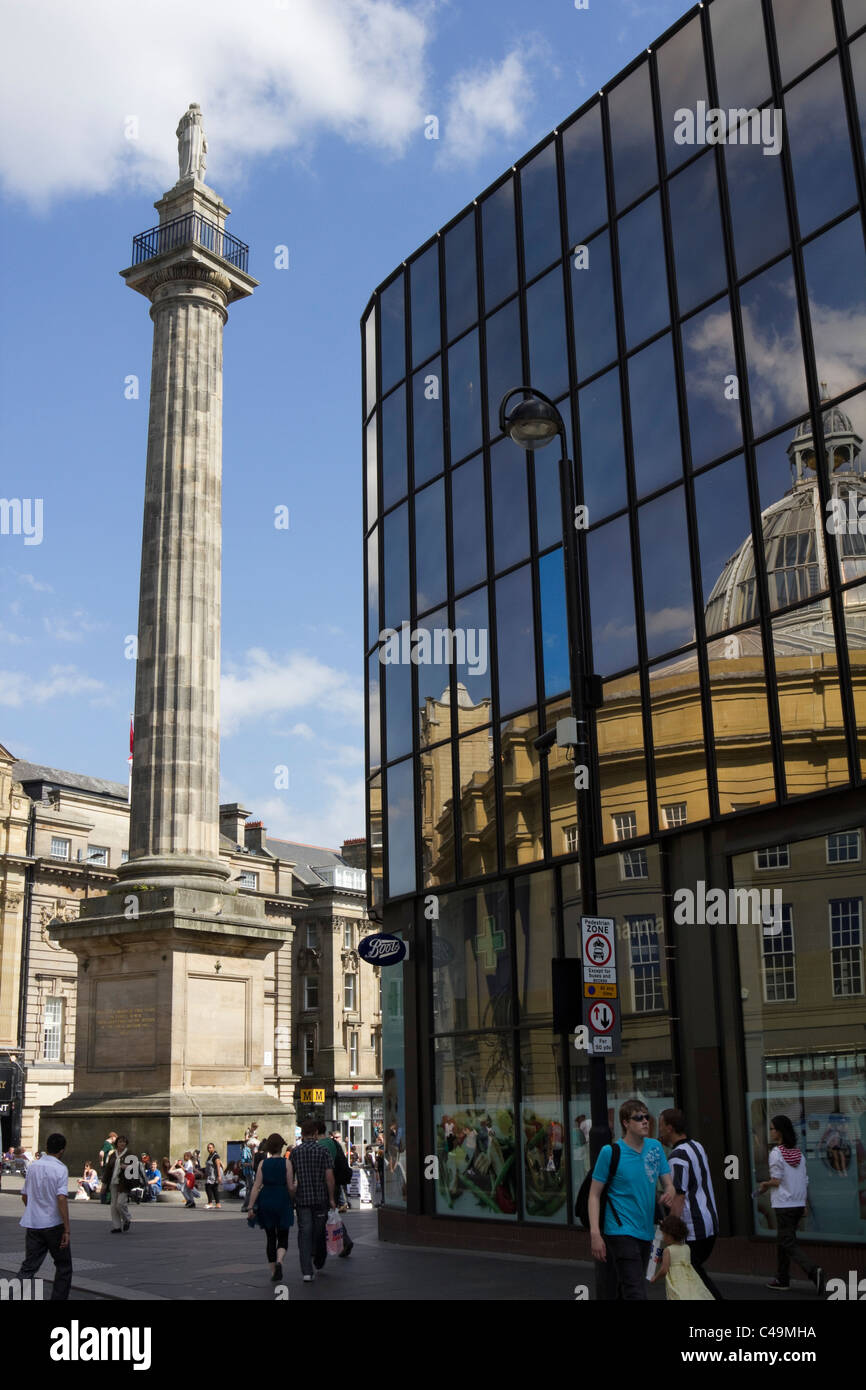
788	1182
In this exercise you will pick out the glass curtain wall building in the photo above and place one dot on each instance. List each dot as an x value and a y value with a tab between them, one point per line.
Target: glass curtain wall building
681	267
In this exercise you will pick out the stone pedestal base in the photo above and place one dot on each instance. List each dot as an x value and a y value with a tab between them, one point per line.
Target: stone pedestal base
163	1125
169	1043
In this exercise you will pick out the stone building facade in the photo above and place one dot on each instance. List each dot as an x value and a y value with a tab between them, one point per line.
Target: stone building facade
62	837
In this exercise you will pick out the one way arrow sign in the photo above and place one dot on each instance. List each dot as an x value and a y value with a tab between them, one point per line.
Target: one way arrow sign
602	1017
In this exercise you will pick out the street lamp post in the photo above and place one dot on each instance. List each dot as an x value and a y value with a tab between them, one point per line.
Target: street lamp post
533	423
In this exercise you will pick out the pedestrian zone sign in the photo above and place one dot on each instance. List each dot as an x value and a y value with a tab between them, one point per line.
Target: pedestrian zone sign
601	1005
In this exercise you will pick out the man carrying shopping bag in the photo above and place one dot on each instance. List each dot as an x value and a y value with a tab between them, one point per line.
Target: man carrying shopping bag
313	1170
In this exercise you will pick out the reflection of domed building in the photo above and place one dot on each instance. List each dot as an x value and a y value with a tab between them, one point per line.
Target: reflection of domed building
794	541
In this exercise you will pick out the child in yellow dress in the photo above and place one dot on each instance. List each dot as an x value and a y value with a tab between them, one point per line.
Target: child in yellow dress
681	1281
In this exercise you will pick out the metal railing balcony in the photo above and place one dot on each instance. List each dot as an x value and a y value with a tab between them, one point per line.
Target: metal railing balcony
190	230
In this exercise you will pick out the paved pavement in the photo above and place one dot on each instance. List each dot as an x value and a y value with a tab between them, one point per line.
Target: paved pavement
171	1253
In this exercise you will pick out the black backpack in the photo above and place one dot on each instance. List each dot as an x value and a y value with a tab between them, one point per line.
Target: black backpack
581	1201
342	1171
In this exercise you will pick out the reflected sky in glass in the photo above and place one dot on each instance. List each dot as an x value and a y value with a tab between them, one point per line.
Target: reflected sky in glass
373	677
631	130
471	613
504	359
667	585
545	316
682	83
740	51
515	632
469	531
430	571
642	270
655	429
393	350
394	477
711	378
464	389
804	33
540	201
396	541
429	455
817	130
757	198
424	303
554	623
499	242
699	252
614	637
836	283
777	381
460	281
602	450
722	506
585	189
592	307
510	507
398	710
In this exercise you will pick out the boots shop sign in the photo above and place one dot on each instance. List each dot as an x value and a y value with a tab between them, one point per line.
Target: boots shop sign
382	949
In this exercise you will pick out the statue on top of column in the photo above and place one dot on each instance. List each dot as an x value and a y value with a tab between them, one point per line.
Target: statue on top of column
191	144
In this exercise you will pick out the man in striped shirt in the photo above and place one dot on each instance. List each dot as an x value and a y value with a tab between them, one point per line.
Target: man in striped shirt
695	1202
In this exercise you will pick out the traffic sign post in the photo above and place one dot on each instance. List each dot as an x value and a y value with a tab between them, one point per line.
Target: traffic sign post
602	1013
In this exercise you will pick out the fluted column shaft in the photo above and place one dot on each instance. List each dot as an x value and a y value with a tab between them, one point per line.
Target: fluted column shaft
175	772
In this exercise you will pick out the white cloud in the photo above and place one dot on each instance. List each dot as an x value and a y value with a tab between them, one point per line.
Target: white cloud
34	583
70	627
269	76
266	685
12	638
486	103
17	688
341	815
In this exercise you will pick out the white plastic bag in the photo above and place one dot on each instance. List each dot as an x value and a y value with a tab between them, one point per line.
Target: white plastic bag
334	1233
658	1249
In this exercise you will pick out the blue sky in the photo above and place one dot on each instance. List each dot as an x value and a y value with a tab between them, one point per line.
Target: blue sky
314	112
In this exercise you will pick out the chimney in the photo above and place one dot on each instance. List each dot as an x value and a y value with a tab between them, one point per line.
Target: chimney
232	818
254	835
354	853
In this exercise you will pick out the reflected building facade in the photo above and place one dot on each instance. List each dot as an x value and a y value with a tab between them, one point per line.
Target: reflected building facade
698	312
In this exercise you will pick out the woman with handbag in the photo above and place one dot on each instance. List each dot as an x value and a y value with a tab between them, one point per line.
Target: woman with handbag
271	1205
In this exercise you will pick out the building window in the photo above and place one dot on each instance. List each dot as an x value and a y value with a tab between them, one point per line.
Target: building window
349	992
52	1030
60	848
650	1078
247	879
675	815
97	854
309	1053
353	1054
348	941
312	937
124	856
569	839
633	864
780	979
645	961
625	825
846	945
311	992
844	848
773	857
376	1043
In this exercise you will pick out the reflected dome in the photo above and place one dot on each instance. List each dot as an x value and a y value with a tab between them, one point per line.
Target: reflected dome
794	539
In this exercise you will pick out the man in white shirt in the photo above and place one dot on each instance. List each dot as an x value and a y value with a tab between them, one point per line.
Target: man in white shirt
46	1217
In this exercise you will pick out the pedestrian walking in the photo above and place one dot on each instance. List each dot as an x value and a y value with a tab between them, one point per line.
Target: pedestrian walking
788	1183
629	1183
213	1172
271	1203
695	1200
45	1195
314	1194
675	1267
342	1177
190	1191
107	1150
247	1171
123	1171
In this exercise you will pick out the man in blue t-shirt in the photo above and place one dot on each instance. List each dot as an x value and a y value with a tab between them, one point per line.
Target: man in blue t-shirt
629	1218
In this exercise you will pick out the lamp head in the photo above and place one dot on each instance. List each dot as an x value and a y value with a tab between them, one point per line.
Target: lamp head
531	423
